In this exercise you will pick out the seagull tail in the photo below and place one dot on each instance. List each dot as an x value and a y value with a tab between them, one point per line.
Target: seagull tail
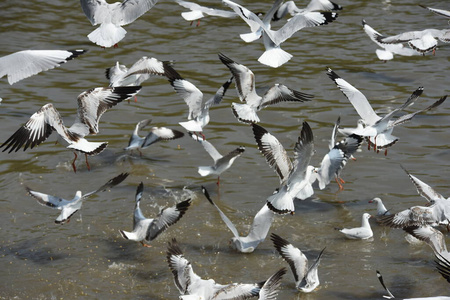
107	35
125	234
204	170
274	57
244	113
250	37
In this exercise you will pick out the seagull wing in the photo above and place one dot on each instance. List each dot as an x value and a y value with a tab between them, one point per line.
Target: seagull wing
440	12
414	216
356	98
261	224
37	129
161	134
166	218
237	291
212	151
225	219
303	151
424	189
443	265
269	290
293	256
111	183
281	93
48	200
218	96
23	64
249	17
129	10
433	237
274	153
146	65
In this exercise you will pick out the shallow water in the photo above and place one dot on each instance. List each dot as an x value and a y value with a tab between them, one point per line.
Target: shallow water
88	258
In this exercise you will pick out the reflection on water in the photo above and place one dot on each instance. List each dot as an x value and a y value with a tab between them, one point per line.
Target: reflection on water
88	258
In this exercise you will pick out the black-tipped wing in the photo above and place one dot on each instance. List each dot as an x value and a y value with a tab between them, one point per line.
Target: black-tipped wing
281	93
161	134
269	290
293	256
111	183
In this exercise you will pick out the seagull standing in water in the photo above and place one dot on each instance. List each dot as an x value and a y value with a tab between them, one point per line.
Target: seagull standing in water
111	18
26	63
91	106
245	86
198	112
155	135
376	129
306	277
146	230
258	231
192	286
70	207
294	176
359	233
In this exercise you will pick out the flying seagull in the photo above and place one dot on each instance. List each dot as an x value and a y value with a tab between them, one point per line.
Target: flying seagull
198	11
70	207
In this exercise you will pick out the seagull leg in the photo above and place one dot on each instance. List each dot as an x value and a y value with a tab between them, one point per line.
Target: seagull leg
116	45
87	163
341	187
73	162
375	144
385	152
191	23
203	136
145	245
218	181
198	22
135	98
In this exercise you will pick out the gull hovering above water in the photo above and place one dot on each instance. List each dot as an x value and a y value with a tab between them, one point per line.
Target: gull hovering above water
146	230
376	129
192	286
198	11
91	106
306	277
70	207
111	18
294	176
155	135
245	86
258	231
289	7
26	63
198	111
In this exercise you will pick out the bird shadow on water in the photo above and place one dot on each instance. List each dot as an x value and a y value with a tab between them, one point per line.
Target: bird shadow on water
30	250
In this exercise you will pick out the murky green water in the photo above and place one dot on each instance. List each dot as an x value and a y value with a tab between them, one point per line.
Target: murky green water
88	259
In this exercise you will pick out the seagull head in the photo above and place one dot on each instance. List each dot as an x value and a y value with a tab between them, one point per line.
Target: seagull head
375	200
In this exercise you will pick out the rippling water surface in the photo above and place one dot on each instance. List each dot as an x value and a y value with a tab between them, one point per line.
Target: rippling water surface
88	259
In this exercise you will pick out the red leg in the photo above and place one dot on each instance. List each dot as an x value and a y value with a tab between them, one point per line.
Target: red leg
218	180
198	22
203	136
340	185
73	162
385	152
87	163
145	245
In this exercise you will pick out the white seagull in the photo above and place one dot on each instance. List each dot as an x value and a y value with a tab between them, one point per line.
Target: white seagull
274	56
111	18
245	86
155	135
289	7
258	231
294	176
69	207
364	232
120	75
198	111
198	11
381	209
269	291
335	160
91	106
221	162
306	277
26	63
192	286
422	41
388	51
377	130
146	230
436	212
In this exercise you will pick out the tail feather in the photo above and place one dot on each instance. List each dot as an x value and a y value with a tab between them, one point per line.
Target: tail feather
107	35
204	170
274	57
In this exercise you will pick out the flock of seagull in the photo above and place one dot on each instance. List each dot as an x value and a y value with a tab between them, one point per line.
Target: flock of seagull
298	177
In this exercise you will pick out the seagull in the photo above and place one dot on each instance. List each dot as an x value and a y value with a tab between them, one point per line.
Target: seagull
388	51
437	210
364	232
221	163
274	56
422	41
269	290
26	63
91	106
381	209
294	176
335	160
306	277
146	230
258	231
289	7
197	12
245	86
376	129
120	75
190	284
111	18
155	135
440	12
198	113
69	207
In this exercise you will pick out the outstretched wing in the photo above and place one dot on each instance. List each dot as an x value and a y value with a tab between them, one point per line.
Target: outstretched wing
111	183
281	93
